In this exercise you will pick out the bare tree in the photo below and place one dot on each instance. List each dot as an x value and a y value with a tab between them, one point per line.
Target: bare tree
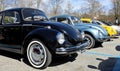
30	3
2	5
27	3
116	4
94	8
116	9
56	7
69	7
16	3
22	3
111	16
38	2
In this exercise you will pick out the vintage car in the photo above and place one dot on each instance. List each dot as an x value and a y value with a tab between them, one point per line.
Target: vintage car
28	31
94	34
111	31
117	28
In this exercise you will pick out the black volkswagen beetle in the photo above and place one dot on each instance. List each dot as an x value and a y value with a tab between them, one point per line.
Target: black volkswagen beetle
28	31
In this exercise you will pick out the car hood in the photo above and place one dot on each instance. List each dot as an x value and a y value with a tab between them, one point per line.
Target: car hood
94	26
72	34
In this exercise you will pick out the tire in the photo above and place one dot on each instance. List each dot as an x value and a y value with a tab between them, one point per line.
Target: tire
38	55
91	41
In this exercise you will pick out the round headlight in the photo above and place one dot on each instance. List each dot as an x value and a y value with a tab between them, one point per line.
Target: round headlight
99	33
60	38
83	35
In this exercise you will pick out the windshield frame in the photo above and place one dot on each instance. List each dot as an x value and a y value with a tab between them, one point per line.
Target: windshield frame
75	20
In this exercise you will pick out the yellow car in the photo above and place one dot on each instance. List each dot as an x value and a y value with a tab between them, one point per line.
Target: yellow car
111	31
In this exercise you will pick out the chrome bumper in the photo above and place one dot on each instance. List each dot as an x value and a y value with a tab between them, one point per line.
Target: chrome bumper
104	39
73	49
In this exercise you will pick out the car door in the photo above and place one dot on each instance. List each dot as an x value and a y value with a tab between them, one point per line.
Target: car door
10	31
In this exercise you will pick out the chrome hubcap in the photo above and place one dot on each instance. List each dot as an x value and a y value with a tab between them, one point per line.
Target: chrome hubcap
89	41
37	54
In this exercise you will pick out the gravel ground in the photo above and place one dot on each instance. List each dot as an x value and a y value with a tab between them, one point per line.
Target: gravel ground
102	58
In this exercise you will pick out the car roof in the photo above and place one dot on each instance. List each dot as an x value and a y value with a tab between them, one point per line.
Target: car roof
18	9
61	16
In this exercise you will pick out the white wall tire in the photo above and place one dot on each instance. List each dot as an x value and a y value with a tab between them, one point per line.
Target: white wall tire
38	55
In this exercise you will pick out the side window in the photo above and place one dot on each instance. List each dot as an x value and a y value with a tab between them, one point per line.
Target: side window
11	17
53	19
63	20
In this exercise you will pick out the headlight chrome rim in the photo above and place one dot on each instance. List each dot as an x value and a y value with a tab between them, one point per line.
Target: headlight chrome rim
83	35
60	38
100	33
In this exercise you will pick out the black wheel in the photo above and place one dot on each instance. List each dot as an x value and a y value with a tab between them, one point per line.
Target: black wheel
91	41
38	55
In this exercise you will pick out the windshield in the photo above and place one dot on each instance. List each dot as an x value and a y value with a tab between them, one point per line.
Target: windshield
107	23
98	22
33	15
75	19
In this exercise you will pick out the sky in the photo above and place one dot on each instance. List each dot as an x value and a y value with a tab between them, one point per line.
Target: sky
106	3
77	4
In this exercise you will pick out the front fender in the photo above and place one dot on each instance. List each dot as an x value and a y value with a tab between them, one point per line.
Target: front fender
91	31
47	36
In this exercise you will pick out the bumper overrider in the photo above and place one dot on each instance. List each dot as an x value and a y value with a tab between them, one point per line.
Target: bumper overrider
72	49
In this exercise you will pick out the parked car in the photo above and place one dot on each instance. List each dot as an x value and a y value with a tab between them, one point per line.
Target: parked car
111	31
94	34
113	26
28	31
